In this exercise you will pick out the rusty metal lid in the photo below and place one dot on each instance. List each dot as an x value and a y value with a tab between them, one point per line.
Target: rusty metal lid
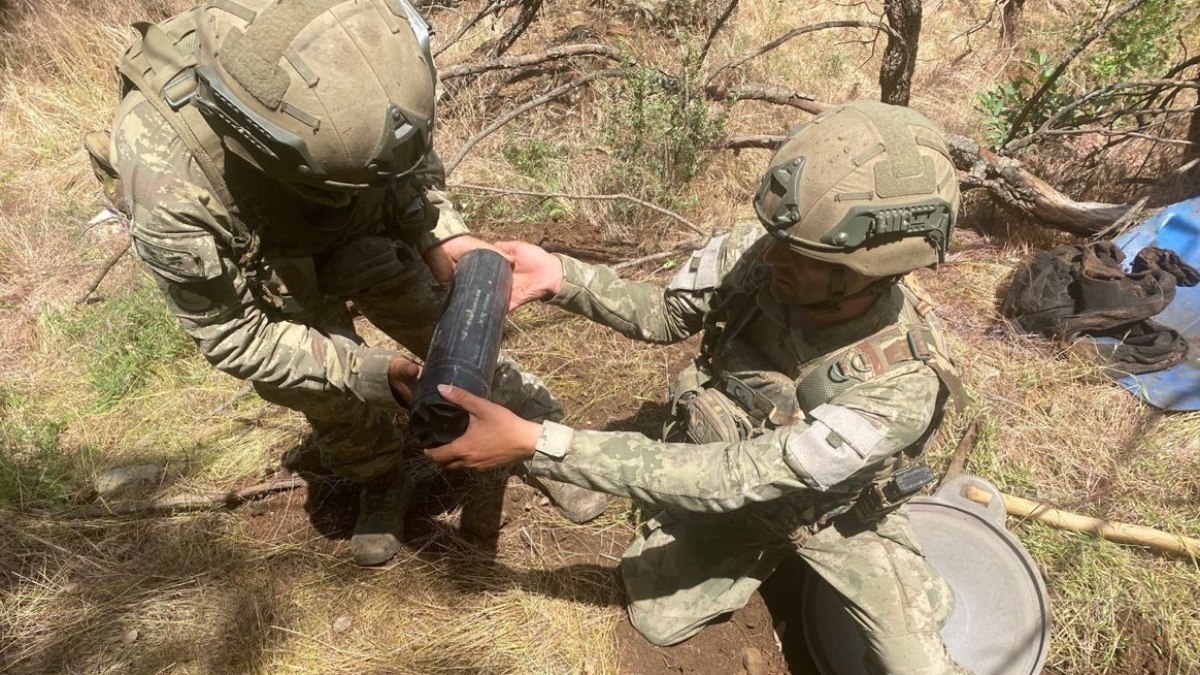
1001	620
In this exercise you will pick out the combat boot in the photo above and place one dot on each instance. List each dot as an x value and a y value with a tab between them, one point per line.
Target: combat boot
380	527
576	504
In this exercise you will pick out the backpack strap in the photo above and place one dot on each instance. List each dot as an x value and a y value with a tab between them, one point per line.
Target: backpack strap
157	67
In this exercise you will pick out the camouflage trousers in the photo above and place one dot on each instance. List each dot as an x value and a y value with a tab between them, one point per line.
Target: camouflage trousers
687	569
360	442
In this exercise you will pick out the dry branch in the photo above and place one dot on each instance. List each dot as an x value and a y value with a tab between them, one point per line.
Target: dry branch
585	197
958	463
522	109
796	33
1121	533
528	60
768	93
490	8
1062	66
183	503
108	265
529	14
1006	180
678	250
1047	127
720	23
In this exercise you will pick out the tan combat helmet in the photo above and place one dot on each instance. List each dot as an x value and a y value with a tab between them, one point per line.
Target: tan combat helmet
326	94
867	185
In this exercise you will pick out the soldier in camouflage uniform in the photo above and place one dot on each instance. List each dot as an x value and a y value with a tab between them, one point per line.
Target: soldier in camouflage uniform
275	160
820	379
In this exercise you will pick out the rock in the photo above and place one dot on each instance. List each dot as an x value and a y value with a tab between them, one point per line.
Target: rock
342	624
753	662
127	481
130	636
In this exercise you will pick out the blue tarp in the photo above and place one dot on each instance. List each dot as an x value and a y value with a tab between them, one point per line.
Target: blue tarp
1176	227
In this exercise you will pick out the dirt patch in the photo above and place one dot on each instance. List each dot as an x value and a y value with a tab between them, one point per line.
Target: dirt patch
1143	647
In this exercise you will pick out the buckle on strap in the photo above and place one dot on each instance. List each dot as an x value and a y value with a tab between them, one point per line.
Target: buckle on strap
180	89
919	346
741	392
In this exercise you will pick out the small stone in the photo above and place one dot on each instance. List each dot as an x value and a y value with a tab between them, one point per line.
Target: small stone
753	662
544	501
342	624
130	636
126	481
72	588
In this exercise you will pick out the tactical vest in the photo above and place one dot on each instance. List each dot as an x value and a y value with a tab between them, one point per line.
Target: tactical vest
714	406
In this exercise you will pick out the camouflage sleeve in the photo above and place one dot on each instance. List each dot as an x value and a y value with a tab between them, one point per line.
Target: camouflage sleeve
176	223
636	310
651	313
837	449
431	175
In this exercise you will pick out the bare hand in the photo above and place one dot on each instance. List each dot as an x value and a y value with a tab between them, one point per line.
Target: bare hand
443	258
495	436
537	274
402	376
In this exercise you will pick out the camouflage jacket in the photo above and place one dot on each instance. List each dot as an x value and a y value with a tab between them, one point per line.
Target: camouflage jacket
830	449
263	322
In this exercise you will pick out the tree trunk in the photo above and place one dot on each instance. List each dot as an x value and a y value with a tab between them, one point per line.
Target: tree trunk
900	56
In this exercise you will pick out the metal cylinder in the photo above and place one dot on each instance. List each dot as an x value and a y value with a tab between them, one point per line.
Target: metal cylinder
465	346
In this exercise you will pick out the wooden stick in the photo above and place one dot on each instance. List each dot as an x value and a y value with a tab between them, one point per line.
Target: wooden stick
712	35
183	503
1121	533
678	250
527	60
108	265
958	463
567	195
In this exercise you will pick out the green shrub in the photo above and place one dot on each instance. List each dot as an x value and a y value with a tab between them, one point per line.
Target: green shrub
1138	46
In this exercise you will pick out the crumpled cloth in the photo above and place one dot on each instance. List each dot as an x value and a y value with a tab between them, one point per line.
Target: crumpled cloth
1082	290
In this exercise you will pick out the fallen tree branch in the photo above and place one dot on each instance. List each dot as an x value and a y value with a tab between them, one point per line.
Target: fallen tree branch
1066	60
824	25
1121	533
1007	181
184	503
522	109
104	270
527	60
768	93
585	197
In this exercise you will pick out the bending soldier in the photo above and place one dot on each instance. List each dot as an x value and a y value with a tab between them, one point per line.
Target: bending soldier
275	159
819	381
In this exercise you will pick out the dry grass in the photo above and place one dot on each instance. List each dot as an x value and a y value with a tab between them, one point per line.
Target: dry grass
238	593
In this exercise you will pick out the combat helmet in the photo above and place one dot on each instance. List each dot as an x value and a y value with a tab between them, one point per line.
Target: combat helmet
324	94
866	185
